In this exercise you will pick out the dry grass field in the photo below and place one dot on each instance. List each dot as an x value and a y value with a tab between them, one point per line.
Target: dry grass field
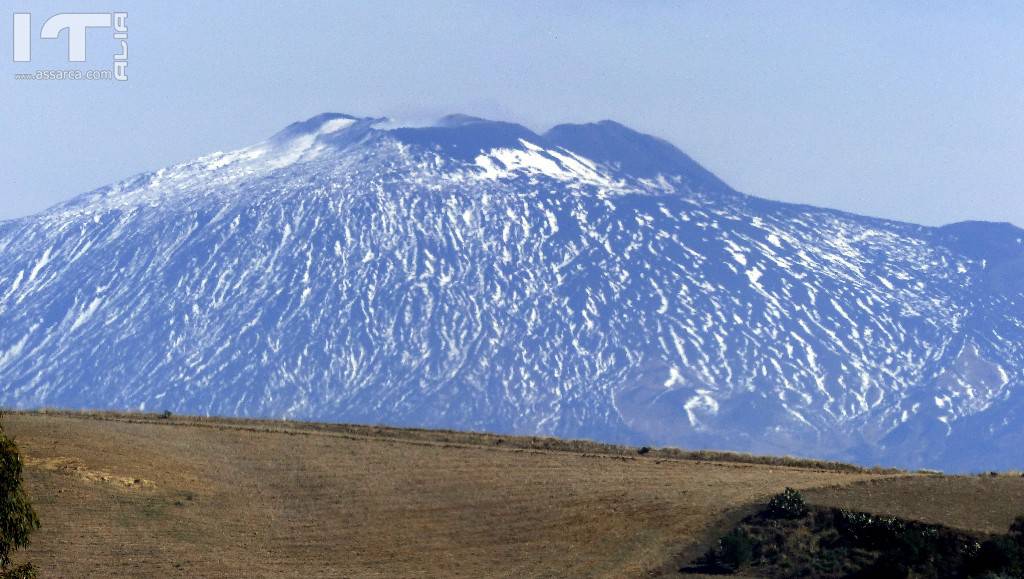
141	496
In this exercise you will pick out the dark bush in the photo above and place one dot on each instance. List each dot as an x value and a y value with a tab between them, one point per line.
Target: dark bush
787	505
735	549
913	544
875	532
1017	530
888	566
731	553
998	556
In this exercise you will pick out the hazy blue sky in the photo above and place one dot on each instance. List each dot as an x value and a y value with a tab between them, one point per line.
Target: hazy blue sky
913	111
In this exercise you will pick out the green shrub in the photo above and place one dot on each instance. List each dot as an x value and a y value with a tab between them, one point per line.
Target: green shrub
787	505
17	518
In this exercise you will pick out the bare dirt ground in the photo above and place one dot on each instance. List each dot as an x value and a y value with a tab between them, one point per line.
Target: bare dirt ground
140	496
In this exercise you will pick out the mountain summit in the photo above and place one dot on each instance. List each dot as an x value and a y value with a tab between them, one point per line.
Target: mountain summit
591	281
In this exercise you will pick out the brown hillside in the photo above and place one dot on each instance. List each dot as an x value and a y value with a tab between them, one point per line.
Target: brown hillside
134	495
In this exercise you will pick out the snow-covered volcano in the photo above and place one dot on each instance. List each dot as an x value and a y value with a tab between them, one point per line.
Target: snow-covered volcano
591	281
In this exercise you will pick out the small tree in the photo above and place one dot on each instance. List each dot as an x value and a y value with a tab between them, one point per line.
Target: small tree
17	518
787	505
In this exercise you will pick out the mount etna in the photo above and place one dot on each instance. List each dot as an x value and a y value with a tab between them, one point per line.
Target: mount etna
589	282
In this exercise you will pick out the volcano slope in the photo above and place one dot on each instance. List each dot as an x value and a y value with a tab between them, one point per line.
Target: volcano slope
587	282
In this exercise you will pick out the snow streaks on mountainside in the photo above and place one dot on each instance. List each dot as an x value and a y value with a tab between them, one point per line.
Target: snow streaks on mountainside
590	282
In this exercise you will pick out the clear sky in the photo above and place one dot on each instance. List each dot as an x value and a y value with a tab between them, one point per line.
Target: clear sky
907	110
